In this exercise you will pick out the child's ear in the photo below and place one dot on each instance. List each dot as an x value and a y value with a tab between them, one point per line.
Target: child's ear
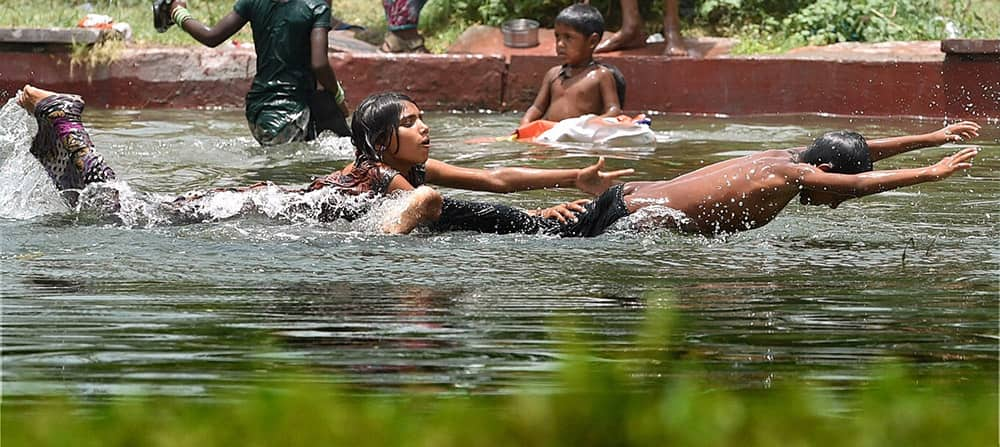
593	40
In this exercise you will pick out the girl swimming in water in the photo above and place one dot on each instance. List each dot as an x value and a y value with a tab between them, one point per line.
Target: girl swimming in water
392	146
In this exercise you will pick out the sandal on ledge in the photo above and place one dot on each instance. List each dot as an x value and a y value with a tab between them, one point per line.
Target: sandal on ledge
396	44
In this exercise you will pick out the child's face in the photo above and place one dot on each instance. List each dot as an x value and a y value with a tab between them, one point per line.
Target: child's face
412	142
573	46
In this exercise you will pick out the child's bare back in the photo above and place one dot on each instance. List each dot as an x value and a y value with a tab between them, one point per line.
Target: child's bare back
749	192
730	196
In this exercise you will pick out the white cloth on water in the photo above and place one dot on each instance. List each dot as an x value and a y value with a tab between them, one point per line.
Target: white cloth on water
599	131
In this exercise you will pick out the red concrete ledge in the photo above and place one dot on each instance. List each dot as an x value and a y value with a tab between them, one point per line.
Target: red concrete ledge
193	77
970	46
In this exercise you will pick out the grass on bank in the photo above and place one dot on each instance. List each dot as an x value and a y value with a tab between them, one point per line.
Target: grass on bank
644	396
599	410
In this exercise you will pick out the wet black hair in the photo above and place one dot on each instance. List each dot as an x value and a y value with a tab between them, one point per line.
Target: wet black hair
583	18
375	122
845	151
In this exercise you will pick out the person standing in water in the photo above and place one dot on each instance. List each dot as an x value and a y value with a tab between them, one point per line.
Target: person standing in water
290	39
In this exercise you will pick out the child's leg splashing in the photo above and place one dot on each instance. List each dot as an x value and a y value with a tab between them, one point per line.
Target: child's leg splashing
62	145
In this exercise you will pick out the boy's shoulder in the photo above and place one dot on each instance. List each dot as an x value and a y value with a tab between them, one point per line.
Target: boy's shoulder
604	71
600	69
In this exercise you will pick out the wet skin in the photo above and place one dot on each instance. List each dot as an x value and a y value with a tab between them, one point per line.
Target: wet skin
589	89
749	192
30	96
726	197
411	144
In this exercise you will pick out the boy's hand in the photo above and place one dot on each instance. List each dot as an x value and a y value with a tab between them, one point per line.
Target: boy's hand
951	164
177	4
563	211
593	181
965	130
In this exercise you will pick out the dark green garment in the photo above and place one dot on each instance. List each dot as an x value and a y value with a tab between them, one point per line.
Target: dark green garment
284	80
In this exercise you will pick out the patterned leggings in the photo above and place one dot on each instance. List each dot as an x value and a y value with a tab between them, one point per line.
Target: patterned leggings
63	146
402	14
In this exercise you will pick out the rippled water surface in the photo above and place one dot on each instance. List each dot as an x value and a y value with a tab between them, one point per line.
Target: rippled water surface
98	307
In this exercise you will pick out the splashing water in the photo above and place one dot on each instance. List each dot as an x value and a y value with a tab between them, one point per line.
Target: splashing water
117	201
27	192
25	188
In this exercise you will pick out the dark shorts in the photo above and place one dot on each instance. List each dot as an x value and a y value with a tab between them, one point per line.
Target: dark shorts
601	213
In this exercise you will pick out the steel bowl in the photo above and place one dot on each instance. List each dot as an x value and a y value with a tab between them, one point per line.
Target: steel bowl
520	33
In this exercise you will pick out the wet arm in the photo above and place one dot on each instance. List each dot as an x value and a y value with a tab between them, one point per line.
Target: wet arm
887	147
210	36
592	179
541	104
320	59
609	95
497	180
860	185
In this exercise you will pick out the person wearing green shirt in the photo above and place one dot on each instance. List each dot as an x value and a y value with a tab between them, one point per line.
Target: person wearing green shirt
290	38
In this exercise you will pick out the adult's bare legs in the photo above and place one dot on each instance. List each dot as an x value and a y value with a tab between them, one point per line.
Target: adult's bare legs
672	29
631	35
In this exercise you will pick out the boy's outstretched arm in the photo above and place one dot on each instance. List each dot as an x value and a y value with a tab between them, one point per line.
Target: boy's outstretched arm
873	182
887	147
209	36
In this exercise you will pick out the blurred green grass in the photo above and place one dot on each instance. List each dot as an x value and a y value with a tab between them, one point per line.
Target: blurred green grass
644	396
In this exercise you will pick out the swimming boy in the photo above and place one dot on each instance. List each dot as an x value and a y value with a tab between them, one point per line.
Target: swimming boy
290	39
748	192
580	86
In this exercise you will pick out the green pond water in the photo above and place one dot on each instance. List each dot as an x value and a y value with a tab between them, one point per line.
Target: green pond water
96	307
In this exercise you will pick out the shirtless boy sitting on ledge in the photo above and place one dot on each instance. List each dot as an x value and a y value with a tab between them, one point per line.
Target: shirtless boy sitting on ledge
748	192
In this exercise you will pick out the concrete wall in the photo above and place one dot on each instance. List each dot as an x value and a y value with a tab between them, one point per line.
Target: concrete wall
958	86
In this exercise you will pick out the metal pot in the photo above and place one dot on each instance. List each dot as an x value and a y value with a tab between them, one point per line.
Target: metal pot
520	33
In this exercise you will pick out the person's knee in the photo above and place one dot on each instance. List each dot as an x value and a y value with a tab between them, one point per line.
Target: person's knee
429	201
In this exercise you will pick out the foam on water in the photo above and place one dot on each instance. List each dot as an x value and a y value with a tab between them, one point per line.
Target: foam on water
27	192
119	202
